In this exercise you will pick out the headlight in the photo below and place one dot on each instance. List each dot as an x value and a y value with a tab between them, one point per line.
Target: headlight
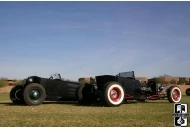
30	80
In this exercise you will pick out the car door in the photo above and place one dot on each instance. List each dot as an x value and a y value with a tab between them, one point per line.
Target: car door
68	89
52	87
129	85
137	88
63	88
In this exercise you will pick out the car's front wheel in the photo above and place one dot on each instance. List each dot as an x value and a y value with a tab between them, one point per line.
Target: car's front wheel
34	94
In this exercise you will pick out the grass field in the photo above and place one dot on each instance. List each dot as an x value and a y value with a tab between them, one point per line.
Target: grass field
152	113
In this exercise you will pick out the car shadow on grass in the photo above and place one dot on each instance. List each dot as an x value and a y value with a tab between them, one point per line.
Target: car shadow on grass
100	104
10	104
157	102
164	101
95	104
73	103
58	102
53	102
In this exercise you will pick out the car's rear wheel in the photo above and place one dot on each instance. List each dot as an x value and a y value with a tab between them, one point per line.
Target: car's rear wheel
187	92
34	94
174	94
112	94
16	95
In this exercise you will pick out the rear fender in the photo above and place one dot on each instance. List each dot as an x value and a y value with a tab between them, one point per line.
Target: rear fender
103	79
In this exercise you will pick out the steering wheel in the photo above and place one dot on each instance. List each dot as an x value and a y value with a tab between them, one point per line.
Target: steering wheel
51	77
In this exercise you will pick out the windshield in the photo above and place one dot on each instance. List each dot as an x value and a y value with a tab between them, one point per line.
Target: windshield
127	74
55	76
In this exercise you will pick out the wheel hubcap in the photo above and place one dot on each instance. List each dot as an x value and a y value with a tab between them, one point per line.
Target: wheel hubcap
115	94
176	94
34	95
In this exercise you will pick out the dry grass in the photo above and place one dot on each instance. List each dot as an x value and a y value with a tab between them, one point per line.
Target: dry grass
153	113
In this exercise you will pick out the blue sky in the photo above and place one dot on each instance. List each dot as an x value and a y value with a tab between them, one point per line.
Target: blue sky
81	39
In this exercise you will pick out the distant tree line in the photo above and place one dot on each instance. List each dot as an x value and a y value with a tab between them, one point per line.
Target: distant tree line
4	82
161	80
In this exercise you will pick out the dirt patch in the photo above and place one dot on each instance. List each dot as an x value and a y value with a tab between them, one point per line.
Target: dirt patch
6	89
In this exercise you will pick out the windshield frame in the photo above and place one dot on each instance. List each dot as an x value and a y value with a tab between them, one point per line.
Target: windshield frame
55	76
128	74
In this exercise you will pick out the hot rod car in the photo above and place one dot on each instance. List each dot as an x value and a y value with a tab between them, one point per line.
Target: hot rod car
111	90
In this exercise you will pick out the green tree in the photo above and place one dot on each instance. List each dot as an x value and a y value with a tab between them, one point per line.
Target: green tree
19	82
4	78
3	83
166	82
173	81
186	82
182	81
159	80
